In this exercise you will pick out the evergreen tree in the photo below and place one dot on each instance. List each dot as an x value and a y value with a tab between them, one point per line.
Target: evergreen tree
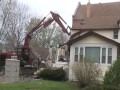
112	77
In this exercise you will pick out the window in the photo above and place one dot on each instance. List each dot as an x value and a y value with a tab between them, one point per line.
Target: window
81	54
109	55
103	55
76	54
93	53
115	34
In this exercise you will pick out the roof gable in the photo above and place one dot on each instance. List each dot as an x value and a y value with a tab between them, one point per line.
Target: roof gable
70	42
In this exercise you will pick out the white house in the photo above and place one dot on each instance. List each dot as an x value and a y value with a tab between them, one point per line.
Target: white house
95	33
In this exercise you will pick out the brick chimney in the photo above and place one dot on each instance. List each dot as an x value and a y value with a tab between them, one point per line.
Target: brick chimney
88	9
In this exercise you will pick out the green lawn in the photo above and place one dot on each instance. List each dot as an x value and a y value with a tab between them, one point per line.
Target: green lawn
39	85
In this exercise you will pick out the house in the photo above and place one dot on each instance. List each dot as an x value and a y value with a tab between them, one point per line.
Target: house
43	57
95	33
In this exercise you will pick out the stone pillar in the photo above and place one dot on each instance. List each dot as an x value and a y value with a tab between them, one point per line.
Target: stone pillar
12	67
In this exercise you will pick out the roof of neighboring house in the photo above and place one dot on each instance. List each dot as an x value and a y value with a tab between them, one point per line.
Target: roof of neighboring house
91	33
101	16
41	51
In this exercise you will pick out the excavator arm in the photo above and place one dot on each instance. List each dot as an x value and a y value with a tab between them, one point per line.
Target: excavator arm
24	52
40	25
58	19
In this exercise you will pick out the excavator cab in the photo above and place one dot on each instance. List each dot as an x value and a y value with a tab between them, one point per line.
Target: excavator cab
2	59
23	56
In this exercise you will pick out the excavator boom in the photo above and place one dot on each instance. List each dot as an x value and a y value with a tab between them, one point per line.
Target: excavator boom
55	17
38	26
25	50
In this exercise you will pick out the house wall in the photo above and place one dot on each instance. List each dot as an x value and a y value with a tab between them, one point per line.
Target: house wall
108	34
91	41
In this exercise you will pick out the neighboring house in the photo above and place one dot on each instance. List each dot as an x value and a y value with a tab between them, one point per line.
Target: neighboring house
42	56
95	34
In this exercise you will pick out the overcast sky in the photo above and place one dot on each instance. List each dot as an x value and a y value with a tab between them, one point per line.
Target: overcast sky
65	8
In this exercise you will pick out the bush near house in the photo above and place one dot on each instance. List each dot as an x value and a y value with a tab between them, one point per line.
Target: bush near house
111	79
86	72
112	76
52	74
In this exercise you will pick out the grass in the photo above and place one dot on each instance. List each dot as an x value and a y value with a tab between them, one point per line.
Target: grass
39	85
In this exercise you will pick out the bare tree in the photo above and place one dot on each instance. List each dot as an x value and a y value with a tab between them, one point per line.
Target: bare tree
13	18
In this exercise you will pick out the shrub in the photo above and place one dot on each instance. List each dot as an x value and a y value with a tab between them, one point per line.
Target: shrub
52	74
37	73
59	74
86	72
46	73
112	76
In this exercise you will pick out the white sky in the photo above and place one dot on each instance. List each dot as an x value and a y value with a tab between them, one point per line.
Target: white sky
65	8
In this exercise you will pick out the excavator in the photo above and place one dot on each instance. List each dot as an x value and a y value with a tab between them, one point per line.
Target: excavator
23	53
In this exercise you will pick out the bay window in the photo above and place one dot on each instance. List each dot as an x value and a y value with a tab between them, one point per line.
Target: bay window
98	54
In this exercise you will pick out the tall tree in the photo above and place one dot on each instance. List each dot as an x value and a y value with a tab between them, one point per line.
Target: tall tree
13	18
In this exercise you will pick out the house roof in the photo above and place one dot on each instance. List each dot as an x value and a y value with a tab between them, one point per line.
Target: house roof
102	16
91	33
41	51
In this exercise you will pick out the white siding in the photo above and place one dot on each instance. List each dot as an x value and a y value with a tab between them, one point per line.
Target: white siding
71	63
108	34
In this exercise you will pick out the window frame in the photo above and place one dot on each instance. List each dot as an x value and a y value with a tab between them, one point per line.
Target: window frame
109	55
76	54
81	54
115	34
103	55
